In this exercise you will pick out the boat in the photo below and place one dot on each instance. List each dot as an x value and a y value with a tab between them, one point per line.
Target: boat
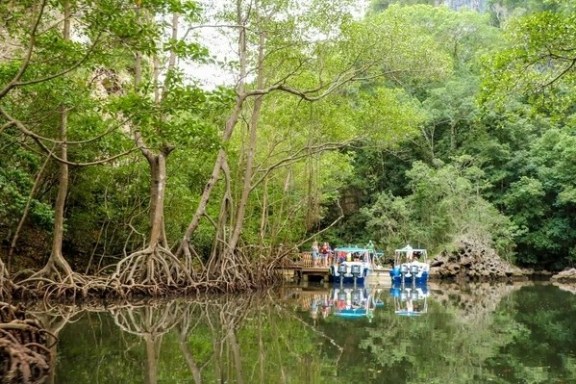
410	266
351	265
410	300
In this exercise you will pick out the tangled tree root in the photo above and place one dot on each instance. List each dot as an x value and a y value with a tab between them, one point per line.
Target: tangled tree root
68	285
230	274
24	347
153	271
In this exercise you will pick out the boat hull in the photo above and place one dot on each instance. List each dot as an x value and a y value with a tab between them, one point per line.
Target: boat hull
348	273
410	274
409	280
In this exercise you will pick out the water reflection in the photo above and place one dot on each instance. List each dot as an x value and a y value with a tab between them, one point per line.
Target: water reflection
410	300
477	333
346	302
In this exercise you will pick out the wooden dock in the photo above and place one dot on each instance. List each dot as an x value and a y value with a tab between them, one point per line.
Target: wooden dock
302	270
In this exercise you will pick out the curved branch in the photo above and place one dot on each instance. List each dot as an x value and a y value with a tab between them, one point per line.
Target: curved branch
300	154
562	73
63	72
38	139
13	83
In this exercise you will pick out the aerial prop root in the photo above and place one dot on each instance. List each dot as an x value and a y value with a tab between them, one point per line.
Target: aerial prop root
55	280
153	266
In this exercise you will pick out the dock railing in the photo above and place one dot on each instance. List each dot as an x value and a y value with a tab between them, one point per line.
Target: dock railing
304	260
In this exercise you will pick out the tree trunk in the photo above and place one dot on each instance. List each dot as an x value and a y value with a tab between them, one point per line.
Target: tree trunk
248	172
56	257
250	151
157	164
57	260
222	157
264	214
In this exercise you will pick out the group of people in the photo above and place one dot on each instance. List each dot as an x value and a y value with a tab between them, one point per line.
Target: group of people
321	255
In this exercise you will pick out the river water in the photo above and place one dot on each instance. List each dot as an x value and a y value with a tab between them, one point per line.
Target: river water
482	333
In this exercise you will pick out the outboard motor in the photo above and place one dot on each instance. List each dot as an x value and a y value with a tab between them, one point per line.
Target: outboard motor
341	272
403	269
404	272
414	272
356	270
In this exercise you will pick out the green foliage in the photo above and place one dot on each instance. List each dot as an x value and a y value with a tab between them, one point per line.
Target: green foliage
542	202
417	148
534	65
445	204
14	186
390	45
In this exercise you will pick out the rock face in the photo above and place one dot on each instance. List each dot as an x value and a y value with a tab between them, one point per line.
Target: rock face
470	263
566	276
475	5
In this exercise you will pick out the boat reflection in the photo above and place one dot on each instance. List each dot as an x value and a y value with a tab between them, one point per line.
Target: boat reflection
347	302
411	300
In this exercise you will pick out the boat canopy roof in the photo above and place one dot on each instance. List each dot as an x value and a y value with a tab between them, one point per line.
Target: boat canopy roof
352	249
408	248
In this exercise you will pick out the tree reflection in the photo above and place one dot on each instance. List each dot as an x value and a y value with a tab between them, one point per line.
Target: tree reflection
149	321
475	333
54	319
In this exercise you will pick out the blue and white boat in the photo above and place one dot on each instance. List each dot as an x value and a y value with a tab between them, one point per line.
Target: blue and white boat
352	265
410	266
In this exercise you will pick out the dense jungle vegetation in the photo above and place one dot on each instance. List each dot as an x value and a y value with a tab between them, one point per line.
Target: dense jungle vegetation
121	168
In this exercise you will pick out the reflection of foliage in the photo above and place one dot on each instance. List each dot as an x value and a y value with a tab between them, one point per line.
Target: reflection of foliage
543	352
500	334
449	344
238	340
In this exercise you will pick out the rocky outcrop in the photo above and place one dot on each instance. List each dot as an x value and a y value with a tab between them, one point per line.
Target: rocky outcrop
471	263
566	276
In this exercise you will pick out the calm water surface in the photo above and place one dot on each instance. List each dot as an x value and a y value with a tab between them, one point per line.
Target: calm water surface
522	333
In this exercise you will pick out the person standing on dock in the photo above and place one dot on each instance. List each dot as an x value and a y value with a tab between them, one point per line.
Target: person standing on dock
315	251
325	251
371	252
